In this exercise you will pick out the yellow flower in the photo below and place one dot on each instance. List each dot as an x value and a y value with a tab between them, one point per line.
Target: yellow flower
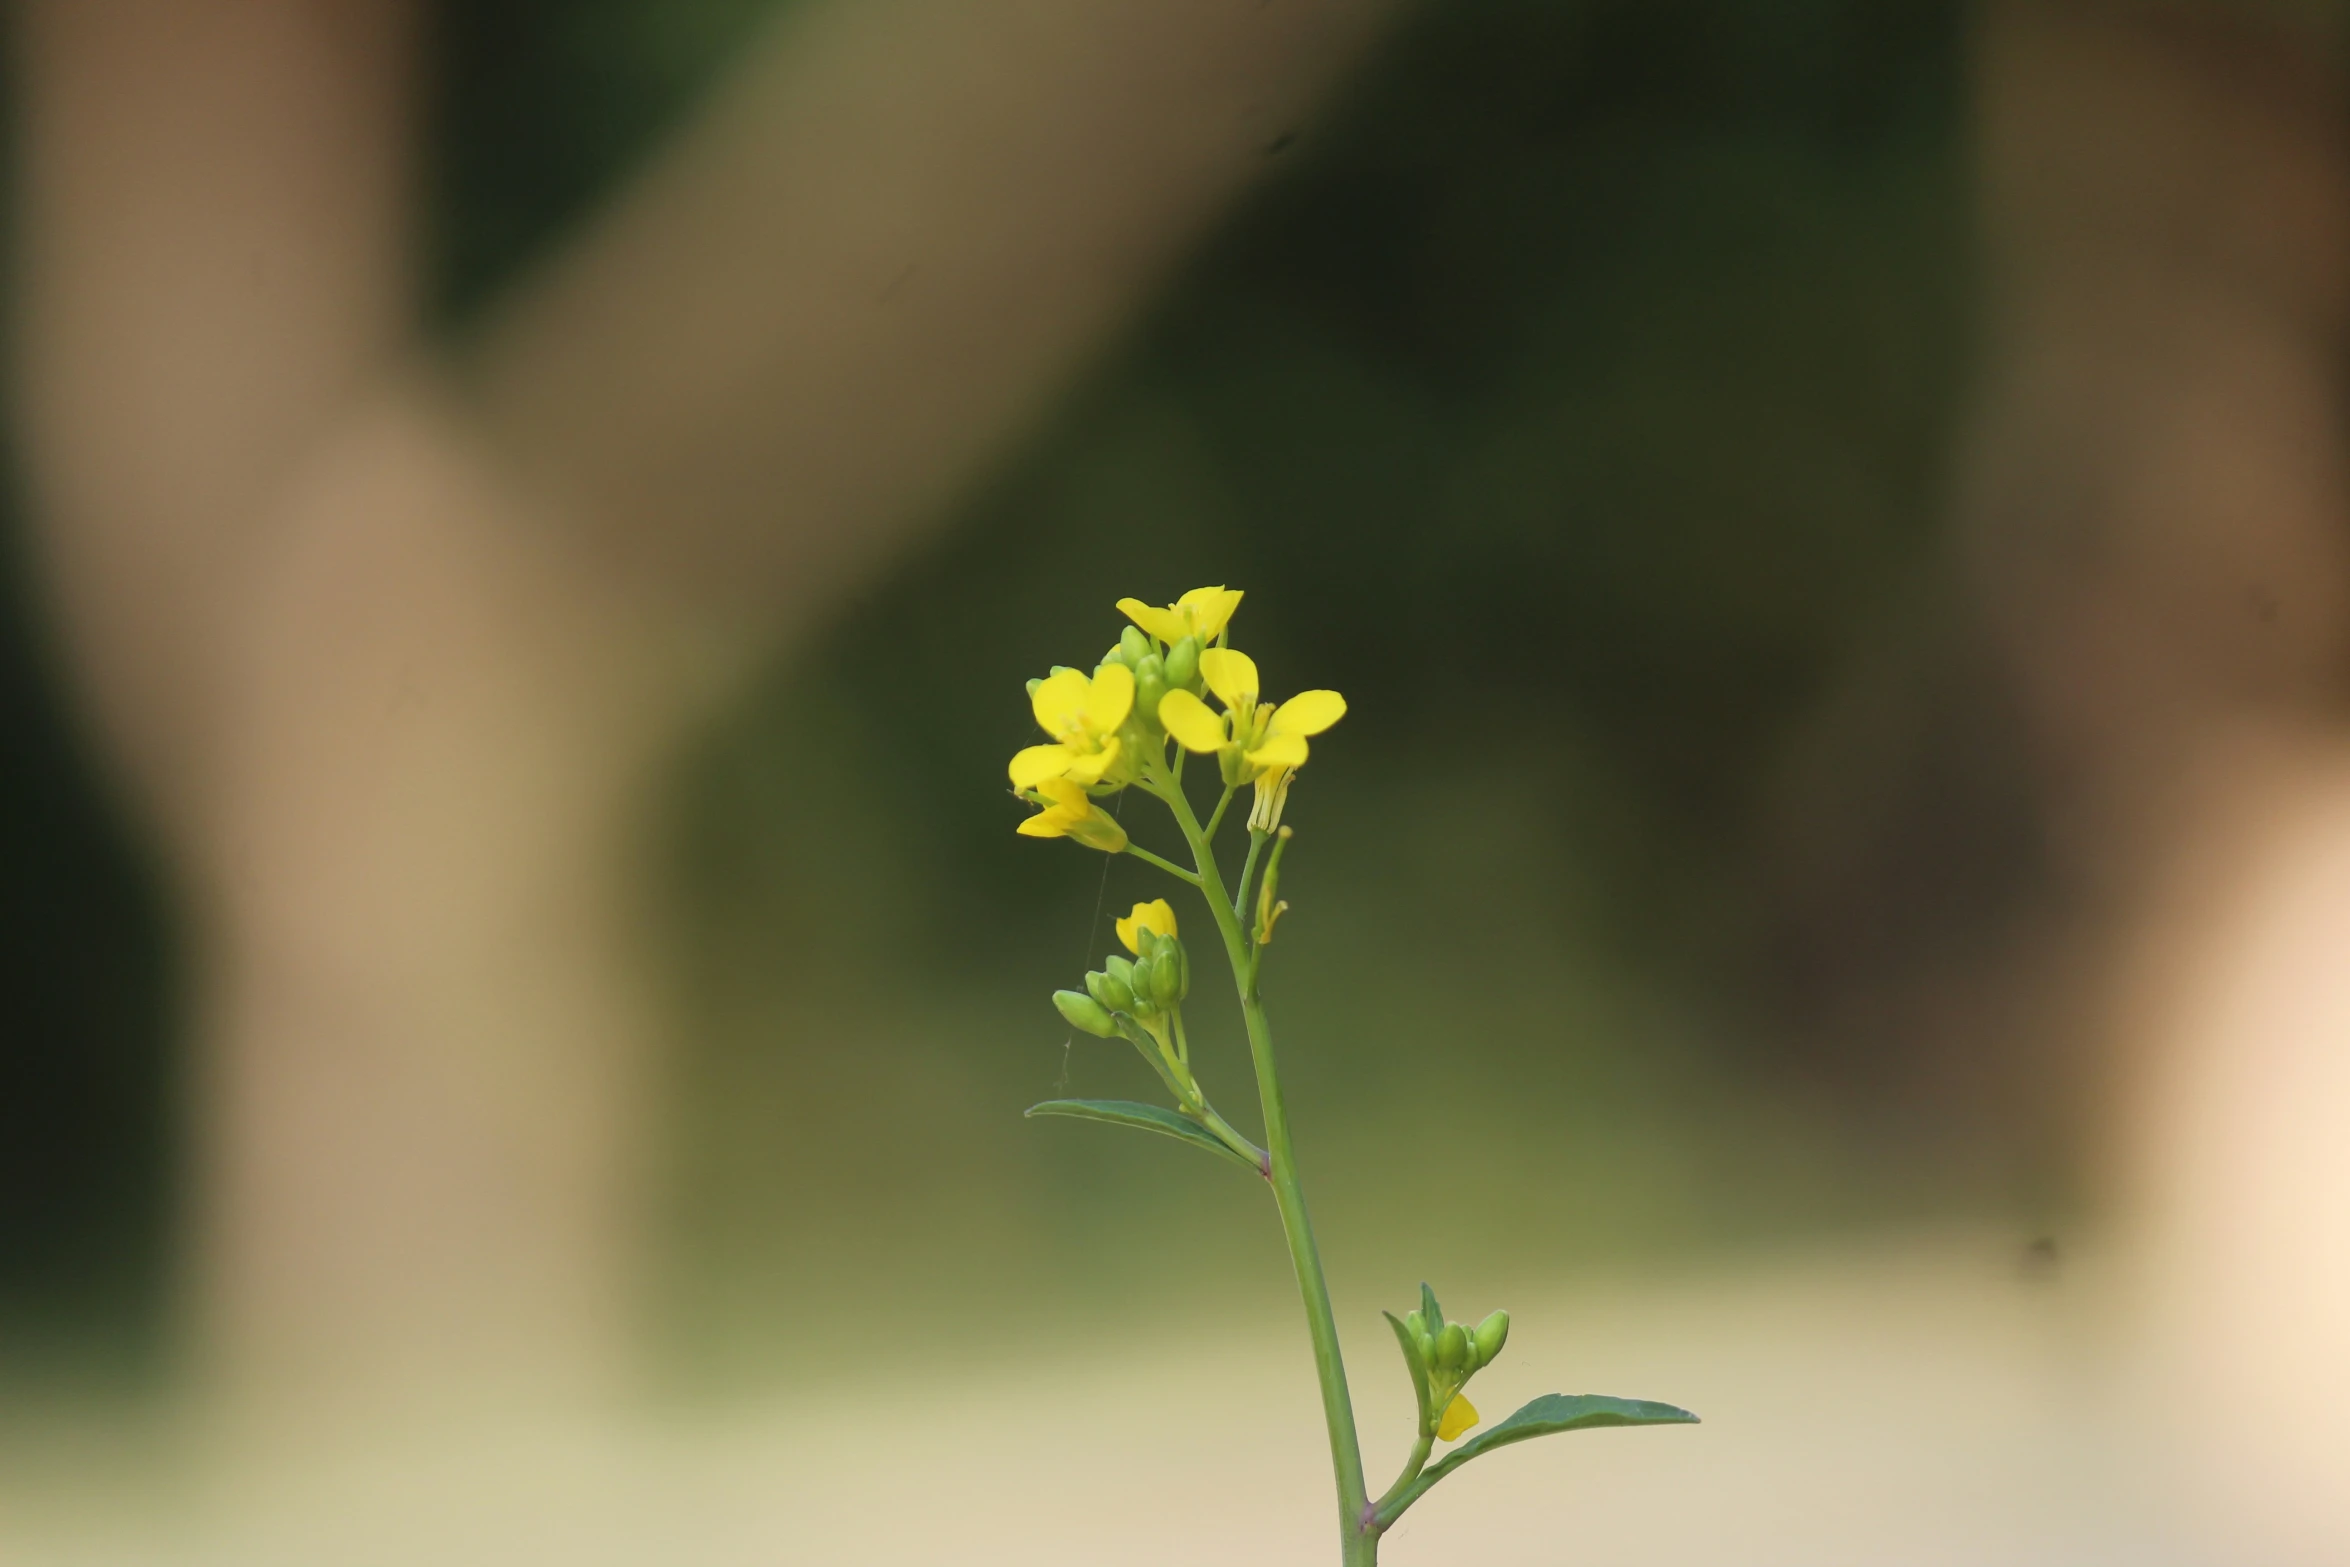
1156	916
1082	715
1459	1415
1276	733
1270	740
1201	613
1069	812
1282	730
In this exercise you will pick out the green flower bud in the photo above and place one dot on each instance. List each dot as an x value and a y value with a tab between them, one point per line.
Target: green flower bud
1138	979
1150	685
1084	1012
1167	975
1133	646
1183	666
1492	1333
1452	1347
1417	1326
1113	993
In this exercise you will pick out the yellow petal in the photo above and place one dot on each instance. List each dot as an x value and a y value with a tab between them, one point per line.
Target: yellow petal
1059	699
1051	822
1210	609
1187	718
1164	624
1279	750
1309	713
1039	764
1088	768
1063	793
1157	915
1230	674
1110	698
1459	1415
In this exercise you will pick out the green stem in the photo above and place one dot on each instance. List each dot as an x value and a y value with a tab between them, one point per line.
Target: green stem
1147	1046
1248	868
1217	820
1231	1138
1411	1471
1358	1540
1169	866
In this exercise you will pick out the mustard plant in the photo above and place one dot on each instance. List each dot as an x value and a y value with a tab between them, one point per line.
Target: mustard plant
1131	725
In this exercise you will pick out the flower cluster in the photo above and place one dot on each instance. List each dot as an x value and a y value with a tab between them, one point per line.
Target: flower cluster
1447	1354
1111	728
1151	984
1140	999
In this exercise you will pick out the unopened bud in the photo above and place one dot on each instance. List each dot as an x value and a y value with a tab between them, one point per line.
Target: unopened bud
1150	686
1138	980
1492	1333
1167	975
1183	666
1452	1347
1133	646
1085	1013
1113	993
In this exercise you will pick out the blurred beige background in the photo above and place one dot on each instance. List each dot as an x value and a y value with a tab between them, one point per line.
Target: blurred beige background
531	521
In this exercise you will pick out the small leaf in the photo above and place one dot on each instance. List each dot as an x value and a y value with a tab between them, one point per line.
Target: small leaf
1430	1312
1150	1118
1417	1366
1555	1412
1545	1416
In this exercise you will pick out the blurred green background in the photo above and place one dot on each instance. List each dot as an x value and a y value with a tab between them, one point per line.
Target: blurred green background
1576	398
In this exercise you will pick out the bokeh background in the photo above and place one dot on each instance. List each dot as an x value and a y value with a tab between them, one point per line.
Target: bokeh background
1827	517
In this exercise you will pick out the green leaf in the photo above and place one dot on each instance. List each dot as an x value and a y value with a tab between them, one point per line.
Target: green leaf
1417	1366
1150	1118
1430	1312
1555	1412
1545	1416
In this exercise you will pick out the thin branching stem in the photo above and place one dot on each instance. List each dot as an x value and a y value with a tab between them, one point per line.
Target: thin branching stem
1169	866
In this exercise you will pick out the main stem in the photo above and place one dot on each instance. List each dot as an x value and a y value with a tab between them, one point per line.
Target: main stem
1358	1541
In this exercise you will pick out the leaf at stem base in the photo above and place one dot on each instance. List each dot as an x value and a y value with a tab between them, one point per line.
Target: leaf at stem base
1545	1416
1146	1117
